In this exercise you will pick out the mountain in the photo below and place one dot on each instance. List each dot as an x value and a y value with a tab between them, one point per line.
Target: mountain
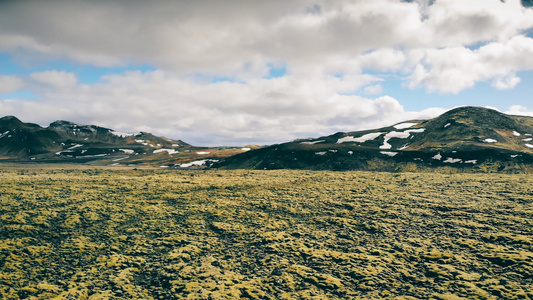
19	139
473	138
67	142
465	138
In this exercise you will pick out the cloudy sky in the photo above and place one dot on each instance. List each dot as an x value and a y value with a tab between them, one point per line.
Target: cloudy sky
235	72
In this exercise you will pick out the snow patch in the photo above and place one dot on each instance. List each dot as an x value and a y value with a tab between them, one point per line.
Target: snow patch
313	142
404	125
170	151
202	152
389	153
321	153
122	134
333	151
246	149
397	134
419	130
350	152
122	158
97	155
163	166
437	156
75	146
473	161
513	156
452	160
127	151
448	124
515	133
490	140
140	141
175	145
361	139
527	140
529	145
197	163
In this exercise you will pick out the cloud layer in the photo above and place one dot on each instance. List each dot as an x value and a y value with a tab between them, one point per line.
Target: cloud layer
213	60
224	113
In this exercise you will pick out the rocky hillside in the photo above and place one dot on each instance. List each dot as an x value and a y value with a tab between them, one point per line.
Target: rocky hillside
465	138
474	138
67	142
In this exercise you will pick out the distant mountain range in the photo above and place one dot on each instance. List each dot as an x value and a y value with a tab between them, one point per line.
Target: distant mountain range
67	142
472	138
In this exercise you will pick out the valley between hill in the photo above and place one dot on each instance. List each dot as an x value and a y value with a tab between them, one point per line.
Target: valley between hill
86	233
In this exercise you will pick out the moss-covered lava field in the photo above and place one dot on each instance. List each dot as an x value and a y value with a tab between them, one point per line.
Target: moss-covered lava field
87	233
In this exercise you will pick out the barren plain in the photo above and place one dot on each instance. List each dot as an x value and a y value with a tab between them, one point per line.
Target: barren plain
89	233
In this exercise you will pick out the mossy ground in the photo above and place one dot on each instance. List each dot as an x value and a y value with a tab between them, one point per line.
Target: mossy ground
161	234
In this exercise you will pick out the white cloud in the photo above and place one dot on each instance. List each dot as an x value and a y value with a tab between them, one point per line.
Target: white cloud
384	60
373	89
506	82
454	69
58	79
9	84
457	22
240	38
262	111
329	48
519	110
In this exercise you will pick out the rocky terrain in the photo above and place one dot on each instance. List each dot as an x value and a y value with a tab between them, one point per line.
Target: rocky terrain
67	142
466	139
471	139
88	233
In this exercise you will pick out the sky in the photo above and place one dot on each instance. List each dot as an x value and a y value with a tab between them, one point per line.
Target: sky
238	72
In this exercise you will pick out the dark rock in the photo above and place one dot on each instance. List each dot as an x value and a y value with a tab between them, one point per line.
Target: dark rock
277	272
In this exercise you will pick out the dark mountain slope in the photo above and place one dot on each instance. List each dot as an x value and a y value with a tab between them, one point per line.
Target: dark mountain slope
67	142
18	139
470	128
474	138
468	138
72	131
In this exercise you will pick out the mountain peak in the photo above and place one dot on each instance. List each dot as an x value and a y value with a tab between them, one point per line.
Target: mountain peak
11	122
10	119
477	116
60	123
78	131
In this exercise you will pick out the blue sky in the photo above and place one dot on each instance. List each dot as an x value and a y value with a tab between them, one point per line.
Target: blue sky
234	73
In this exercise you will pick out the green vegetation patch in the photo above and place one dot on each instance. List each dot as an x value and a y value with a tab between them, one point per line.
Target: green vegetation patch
161	234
